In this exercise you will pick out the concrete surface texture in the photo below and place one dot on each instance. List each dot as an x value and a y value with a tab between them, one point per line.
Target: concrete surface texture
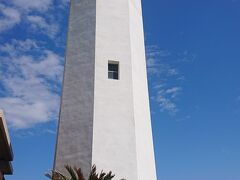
104	121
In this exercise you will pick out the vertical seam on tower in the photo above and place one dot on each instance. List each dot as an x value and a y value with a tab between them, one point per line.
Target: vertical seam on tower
94	79
130	41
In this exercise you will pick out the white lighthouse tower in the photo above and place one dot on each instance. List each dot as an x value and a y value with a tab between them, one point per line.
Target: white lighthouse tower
105	116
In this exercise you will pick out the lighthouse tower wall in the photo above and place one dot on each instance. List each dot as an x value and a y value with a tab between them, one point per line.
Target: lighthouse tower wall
105	119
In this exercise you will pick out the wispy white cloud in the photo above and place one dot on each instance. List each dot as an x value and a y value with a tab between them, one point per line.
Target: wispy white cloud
156	64
173	92
166	77
166	99
65	2
9	17
39	5
41	15
35	131
30	82
30	73
38	23
15	47
161	71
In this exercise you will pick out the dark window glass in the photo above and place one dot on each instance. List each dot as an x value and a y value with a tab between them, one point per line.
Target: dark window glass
113	70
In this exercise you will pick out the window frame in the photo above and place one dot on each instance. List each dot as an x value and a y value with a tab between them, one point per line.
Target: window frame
112	62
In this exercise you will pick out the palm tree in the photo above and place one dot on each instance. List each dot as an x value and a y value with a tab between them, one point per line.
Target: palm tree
76	174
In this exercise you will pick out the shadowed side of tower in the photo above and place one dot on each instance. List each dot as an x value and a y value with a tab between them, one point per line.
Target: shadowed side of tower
75	131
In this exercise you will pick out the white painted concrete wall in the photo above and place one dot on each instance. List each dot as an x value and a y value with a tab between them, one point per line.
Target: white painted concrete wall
144	142
122	138
114	145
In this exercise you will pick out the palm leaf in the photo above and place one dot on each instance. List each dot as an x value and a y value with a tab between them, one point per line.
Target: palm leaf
93	174
79	173
56	176
71	172
76	174
109	176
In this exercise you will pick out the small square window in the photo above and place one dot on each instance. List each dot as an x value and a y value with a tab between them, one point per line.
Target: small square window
113	70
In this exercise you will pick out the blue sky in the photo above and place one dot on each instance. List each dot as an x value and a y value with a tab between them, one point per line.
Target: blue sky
193	57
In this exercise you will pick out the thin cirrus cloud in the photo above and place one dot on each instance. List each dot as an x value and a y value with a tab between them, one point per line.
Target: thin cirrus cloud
165	78
18	11
15	47
30	82
166	98
156	62
9	17
39	23
39	5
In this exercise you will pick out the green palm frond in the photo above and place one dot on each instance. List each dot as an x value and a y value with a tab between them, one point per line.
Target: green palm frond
79	173
102	176
109	176
56	175
93	174
72	172
76	174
